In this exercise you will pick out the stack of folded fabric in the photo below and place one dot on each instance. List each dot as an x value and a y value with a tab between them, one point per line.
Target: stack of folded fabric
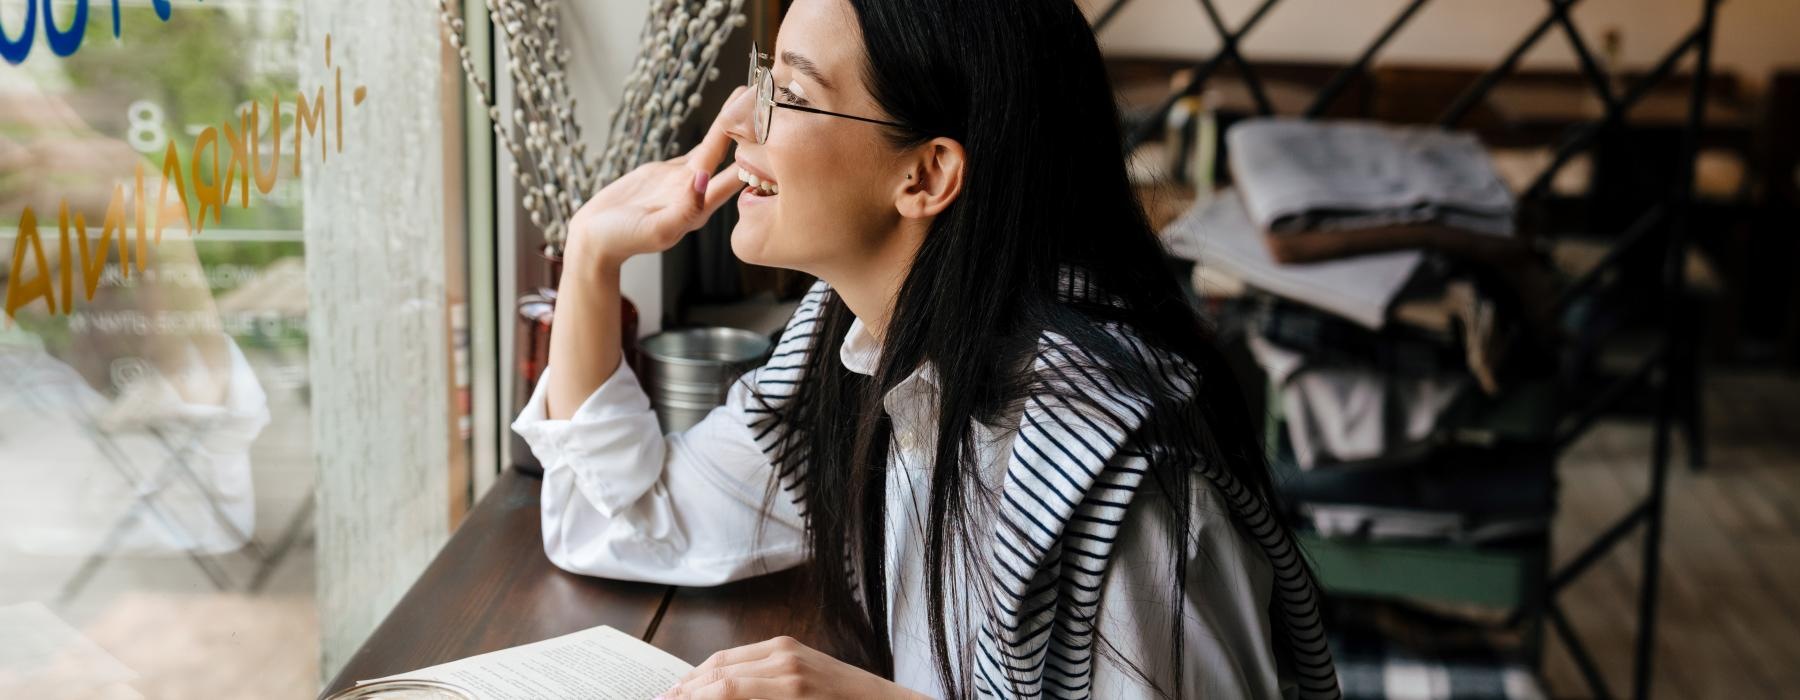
1218	235
1325	190
1386	655
1347	235
1346	394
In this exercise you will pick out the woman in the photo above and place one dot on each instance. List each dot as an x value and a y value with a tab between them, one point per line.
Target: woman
982	424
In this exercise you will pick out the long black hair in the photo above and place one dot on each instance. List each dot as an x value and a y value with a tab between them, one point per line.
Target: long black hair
1022	87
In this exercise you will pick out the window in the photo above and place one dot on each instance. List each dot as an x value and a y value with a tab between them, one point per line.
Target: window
157	361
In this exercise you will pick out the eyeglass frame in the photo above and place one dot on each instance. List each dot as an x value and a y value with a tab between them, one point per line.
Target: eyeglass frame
766	103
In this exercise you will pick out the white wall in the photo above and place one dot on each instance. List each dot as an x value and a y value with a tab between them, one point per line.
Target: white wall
1754	35
603	41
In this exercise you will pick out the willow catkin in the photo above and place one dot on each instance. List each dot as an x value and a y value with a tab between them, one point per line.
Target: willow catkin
680	42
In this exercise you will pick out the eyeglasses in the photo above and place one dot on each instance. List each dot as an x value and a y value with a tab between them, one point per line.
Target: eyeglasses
761	81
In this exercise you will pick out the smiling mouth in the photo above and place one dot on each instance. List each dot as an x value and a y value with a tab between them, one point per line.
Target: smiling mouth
759	186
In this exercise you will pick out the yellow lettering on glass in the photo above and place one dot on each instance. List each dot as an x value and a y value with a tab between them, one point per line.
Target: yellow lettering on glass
211	192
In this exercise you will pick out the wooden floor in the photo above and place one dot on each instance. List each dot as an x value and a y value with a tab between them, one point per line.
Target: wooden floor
1730	608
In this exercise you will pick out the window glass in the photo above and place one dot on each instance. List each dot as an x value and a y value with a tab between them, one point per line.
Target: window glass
156	448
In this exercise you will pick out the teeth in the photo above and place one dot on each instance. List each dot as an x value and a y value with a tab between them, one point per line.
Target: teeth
767	188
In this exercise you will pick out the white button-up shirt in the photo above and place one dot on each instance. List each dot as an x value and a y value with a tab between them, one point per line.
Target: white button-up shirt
622	500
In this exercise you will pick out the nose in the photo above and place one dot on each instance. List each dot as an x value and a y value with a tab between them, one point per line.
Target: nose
736	115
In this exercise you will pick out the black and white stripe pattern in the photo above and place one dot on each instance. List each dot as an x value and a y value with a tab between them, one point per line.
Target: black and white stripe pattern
1069	479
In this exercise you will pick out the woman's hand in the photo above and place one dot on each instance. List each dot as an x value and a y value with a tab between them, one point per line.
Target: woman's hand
646	211
782	669
649	209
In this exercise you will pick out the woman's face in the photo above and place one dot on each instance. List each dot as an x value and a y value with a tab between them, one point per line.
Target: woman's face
838	178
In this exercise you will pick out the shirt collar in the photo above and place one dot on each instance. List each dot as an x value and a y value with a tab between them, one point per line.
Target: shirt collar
860	352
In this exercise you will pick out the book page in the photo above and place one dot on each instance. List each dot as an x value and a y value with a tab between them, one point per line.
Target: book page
600	663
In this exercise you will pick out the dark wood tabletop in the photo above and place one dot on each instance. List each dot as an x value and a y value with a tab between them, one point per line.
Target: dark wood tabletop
491	587
699	621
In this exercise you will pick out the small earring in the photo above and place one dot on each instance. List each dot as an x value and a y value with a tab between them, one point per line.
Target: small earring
909	176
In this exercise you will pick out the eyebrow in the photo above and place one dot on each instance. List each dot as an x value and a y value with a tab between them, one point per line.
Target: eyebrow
806	67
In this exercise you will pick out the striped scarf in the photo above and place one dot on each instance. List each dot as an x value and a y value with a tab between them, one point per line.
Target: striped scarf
1059	517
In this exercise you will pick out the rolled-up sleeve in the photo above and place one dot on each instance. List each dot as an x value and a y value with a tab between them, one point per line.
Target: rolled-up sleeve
623	500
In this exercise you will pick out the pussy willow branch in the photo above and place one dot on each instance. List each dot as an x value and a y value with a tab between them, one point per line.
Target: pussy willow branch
678	46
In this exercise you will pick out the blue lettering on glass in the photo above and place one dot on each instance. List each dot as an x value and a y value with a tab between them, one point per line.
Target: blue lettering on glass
15	50
63	42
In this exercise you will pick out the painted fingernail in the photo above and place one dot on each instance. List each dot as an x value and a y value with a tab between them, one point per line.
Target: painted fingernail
700	179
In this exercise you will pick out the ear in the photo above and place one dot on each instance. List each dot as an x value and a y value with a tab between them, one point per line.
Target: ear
930	180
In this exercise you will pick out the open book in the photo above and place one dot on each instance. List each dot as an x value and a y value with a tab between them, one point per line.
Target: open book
599	663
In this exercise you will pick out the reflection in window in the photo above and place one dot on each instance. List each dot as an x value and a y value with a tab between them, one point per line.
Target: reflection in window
156	465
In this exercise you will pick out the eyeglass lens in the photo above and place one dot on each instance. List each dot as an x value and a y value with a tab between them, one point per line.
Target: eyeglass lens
760	82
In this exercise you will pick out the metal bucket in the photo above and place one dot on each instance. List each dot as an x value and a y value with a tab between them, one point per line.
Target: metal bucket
688	371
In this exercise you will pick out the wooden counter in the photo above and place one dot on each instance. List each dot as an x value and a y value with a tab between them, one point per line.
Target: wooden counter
491	587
